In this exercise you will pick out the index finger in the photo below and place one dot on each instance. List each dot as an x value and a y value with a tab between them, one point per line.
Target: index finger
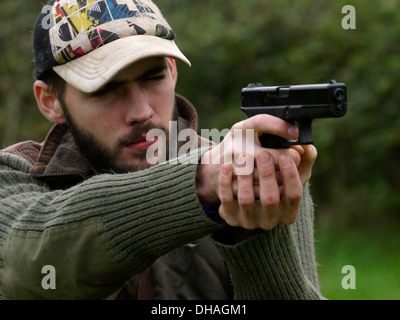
265	123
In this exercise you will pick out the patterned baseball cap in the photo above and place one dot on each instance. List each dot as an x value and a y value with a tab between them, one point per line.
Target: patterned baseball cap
86	42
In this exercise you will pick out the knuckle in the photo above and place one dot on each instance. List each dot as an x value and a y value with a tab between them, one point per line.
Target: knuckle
295	156
245	194
260	119
229	218
234	127
296	196
224	198
267	172
256	121
246	199
289	220
247	222
268	225
237	126
249	226
294	203
246	205
224	182
271	200
290	173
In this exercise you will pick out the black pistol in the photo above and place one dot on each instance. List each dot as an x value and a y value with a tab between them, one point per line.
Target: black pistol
297	104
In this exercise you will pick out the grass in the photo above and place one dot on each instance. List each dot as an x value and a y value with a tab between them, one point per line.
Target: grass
373	251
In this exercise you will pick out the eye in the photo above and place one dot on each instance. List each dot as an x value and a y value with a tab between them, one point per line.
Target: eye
156	77
108	88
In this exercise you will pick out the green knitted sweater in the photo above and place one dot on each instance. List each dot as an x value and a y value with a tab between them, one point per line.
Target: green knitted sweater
100	231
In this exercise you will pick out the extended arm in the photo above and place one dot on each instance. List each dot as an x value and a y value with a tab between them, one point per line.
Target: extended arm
97	234
268	243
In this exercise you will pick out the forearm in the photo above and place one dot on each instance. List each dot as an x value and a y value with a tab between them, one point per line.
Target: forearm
276	264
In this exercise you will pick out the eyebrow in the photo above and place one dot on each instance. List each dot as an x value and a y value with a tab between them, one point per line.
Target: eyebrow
152	71
144	75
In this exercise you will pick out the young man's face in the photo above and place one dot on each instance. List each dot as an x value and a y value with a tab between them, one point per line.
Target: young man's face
110	125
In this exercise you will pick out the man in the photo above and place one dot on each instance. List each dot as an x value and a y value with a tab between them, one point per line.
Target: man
84	215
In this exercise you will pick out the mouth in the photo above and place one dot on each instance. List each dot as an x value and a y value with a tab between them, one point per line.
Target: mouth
141	143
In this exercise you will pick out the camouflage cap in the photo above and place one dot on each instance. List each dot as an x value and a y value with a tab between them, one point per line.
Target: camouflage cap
87	42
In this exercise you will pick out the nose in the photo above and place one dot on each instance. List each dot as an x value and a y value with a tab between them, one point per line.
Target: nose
138	108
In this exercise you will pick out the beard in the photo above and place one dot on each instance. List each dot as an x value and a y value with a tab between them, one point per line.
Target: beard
104	159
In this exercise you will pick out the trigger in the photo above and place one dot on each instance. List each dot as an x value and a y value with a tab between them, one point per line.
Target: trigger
305	132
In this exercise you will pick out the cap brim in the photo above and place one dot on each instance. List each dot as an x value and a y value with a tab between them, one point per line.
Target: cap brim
95	69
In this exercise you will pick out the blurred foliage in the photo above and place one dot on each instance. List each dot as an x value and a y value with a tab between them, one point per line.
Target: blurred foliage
372	251
19	117
233	43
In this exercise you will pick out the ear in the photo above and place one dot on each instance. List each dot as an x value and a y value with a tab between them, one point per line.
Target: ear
48	104
172	66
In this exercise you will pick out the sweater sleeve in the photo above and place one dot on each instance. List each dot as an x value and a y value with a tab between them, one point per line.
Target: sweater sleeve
277	264
95	235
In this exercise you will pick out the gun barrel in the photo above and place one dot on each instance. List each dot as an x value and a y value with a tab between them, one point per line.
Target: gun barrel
296	102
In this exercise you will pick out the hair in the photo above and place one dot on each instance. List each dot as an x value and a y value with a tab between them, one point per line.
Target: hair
56	84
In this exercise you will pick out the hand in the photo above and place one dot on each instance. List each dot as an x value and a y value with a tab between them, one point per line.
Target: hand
271	193
308	155
238	148
242	143
275	204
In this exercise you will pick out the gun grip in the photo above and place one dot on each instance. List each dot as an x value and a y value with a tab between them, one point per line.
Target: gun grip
274	142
